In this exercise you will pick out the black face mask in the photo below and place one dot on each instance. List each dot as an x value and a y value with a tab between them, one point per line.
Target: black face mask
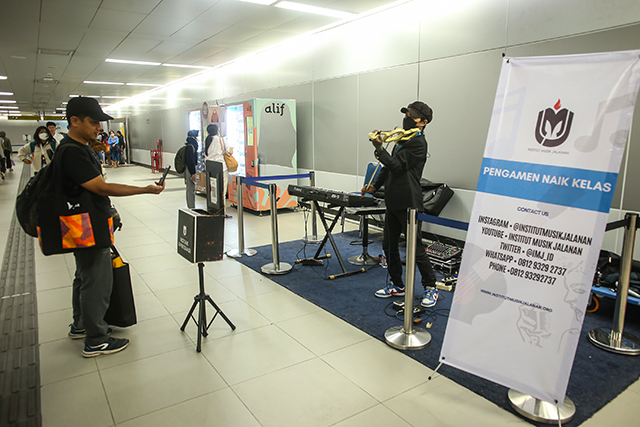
408	123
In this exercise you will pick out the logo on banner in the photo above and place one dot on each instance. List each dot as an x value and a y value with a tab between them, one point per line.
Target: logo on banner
554	125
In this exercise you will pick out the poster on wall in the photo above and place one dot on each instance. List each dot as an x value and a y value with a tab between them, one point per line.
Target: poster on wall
557	135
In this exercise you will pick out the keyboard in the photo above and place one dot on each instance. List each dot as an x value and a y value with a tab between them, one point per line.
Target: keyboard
340	198
442	251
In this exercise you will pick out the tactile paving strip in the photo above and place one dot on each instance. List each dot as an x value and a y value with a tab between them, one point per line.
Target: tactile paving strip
19	356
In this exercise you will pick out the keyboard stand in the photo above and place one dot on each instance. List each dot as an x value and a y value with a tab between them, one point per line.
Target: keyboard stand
317	259
364	258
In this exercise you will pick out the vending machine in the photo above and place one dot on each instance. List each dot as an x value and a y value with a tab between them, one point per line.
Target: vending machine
262	133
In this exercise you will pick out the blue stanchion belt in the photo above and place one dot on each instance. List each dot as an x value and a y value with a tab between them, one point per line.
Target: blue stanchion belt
443	221
253	180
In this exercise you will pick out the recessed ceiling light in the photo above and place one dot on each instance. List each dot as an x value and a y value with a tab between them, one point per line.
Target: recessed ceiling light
126	61
185	66
3	77
7	107
299	7
263	2
18	57
114	97
142	84
7	101
102	83
60	52
6	93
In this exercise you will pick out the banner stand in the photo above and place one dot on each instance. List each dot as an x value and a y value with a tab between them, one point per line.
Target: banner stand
540	411
407	337
616	340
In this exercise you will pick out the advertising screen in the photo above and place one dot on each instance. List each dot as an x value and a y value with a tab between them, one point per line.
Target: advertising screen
235	135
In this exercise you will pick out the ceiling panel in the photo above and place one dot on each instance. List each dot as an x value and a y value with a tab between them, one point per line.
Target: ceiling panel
197	32
132	47
230	12
139	6
200	30
115	20
182	9
76	13
160	25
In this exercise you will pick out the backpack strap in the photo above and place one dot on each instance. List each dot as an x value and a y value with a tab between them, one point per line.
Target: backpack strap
32	144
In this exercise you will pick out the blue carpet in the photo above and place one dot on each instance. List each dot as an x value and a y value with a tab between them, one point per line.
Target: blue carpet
597	376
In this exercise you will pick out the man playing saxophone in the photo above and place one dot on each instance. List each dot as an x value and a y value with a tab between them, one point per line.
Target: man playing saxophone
400	175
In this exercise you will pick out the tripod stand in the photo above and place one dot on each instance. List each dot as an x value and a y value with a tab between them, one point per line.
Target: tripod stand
199	300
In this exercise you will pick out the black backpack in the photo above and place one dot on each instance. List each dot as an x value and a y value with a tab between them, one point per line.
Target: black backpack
27	201
179	161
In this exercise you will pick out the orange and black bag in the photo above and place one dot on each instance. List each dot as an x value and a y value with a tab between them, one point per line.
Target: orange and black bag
66	223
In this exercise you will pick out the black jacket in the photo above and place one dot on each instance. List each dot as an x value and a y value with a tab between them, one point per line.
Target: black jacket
401	174
191	155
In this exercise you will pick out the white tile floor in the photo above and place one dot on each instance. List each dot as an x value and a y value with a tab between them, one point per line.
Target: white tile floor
288	363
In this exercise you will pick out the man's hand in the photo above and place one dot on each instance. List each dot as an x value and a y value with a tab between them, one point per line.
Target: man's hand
27	161
367	189
194	179
377	143
154	189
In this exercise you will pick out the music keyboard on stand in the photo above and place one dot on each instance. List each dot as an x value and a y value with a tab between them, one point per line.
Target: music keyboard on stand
334	197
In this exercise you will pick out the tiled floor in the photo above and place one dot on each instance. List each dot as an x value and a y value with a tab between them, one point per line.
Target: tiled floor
288	363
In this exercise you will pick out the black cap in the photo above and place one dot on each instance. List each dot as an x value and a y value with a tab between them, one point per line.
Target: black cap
419	109
88	106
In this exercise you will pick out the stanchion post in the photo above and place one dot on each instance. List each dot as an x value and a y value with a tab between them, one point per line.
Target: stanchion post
237	253
314	221
407	337
276	267
616	340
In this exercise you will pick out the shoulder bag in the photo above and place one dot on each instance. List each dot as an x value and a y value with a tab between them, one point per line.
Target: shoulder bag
232	163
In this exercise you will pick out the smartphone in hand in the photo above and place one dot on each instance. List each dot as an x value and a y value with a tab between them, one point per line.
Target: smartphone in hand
164	175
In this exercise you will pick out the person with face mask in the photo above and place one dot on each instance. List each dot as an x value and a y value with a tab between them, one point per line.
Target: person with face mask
400	175
38	152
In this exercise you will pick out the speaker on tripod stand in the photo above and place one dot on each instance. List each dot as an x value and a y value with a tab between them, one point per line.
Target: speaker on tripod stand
201	239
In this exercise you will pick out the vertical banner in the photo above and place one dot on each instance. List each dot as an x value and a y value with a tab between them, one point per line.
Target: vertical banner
557	135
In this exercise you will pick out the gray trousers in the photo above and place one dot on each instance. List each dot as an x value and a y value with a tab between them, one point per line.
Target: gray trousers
91	292
191	190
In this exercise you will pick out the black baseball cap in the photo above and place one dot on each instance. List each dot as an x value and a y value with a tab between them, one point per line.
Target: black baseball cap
88	106
419	109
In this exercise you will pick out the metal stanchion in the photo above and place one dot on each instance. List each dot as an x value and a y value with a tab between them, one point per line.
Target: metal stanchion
407	337
237	253
314	224
616	340
276	267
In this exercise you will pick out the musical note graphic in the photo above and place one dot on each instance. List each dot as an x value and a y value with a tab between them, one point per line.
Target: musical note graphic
588	143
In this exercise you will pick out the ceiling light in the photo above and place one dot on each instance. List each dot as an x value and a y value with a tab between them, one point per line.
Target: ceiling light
102	83
6	107
185	66
3	77
142	84
114	97
7	101
263	2
314	9
6	93
18	57
60	52
126	61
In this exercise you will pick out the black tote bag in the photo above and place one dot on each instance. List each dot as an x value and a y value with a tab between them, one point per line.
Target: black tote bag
122	308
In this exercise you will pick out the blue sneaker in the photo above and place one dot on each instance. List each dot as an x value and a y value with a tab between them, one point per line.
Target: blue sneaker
112	345
430	297
77	333
390	290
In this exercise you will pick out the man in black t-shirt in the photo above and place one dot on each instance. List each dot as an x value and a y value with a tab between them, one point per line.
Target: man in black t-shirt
94	275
